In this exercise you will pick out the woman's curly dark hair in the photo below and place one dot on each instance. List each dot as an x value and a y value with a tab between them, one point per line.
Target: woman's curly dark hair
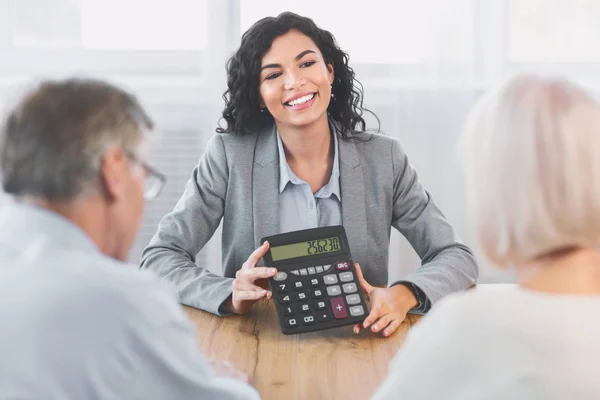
242	112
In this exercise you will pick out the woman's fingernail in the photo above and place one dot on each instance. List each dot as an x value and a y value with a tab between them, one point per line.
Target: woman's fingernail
263	292
272	270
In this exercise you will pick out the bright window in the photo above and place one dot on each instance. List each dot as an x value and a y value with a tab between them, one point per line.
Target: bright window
361	28
110	24
553	31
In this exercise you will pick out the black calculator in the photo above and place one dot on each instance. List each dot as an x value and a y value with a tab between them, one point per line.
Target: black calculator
316	286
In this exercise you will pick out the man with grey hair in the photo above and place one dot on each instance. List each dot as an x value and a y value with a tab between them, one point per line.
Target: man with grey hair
77	322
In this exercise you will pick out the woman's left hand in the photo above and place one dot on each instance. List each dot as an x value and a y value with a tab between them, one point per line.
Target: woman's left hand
389	306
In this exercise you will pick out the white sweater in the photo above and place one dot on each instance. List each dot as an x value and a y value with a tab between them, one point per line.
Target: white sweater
515	344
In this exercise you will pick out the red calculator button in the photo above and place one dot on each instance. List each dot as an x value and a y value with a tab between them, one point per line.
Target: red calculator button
342	266
339	307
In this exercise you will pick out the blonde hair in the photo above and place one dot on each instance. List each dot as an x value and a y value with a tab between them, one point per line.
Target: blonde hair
531	155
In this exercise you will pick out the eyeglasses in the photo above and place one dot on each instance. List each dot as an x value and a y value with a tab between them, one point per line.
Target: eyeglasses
155	181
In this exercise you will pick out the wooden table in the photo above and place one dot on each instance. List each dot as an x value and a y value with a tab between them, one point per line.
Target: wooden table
331	364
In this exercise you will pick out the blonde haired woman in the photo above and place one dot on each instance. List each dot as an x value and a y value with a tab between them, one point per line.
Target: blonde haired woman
531	156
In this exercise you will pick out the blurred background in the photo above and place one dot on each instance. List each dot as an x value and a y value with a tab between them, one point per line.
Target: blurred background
422	64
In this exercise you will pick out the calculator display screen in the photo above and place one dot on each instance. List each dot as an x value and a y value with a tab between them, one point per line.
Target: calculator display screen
308	248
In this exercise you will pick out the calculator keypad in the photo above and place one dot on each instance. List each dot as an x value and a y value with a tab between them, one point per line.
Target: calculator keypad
309	271
285	299
339	307
281	276
288	310
318	295
353	299
342	266
357	310
346	276
281	287
304	308
301	296
349	287
324	316
334	290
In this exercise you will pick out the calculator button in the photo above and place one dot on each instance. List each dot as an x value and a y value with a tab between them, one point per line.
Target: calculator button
314	282
305	308
349	287
357	311
346	276
330	279
334	290
299	285
342	265
291	322
326	267
285	299
324	316
308	319
281	276
311	270
295	272
353	299
301	296
321	305
317	293
339	308
282	287
288	310
319	269
303	271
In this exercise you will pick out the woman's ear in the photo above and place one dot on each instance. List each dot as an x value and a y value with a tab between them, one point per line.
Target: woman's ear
331	73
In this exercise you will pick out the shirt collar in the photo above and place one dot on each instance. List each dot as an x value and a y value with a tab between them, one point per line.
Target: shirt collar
286	174
20	222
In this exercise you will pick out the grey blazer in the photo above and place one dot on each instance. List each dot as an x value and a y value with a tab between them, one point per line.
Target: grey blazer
237	181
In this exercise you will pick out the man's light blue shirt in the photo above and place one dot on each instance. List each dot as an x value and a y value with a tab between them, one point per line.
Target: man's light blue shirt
299	208
79	325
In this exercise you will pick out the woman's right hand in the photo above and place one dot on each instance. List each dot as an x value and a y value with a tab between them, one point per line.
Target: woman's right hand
251	284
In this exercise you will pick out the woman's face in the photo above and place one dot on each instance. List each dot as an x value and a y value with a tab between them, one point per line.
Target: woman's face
295	82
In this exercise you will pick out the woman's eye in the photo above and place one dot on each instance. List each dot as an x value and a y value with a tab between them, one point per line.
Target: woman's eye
307	64
273	76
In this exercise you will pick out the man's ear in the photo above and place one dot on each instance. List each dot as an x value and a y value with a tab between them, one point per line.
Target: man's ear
113	169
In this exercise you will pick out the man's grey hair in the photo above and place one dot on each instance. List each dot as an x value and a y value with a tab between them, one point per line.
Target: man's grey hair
52	143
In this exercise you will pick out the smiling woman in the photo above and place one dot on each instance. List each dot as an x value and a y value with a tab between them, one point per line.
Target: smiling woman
294	154
295	87
286	59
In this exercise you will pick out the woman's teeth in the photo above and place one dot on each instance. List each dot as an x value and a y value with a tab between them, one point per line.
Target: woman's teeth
301	100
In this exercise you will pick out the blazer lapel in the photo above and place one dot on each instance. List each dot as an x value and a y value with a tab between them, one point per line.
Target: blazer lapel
352	188
265	185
